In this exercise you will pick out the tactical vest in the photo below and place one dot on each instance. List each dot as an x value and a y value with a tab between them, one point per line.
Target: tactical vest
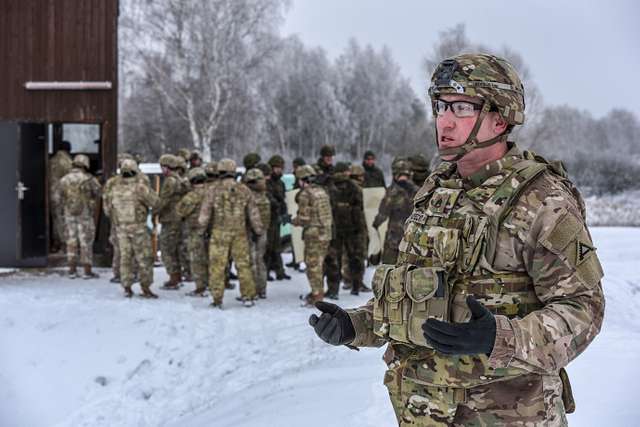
127	208
230	205
449	241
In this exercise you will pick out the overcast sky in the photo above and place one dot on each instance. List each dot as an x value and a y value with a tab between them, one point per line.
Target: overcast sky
582	53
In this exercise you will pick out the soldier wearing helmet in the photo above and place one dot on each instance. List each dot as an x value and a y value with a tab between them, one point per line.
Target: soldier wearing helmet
497	285
315	217
172	190
419	169
127	202
396	207
229	206
250	160
195	159
279	216
188	209
80	191
254	179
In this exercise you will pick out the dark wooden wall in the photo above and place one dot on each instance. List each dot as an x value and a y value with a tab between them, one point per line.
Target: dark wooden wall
61	40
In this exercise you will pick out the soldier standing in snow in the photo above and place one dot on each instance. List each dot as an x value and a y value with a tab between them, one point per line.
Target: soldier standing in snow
497	283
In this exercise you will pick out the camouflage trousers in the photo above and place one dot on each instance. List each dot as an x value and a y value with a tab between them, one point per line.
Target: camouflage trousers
113	239
315	251
57	221
258	249
352	246
273	254
184	254
390	250
198	258
135	252
170	246
531	400
80	233
223	246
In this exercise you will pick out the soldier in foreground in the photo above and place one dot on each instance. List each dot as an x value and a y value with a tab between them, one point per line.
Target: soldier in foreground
229	205
314	216
497	284
129	203
80	191
189	209
396	206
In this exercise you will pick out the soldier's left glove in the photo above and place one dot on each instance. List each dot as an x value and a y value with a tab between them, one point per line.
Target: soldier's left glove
334	324
474	337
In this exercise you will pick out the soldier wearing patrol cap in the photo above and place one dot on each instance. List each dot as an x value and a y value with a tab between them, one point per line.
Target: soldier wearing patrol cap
324	165
497	286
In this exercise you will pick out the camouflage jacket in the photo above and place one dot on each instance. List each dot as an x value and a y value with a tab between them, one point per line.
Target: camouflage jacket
60	164
130	200
396	206
263	204
314	213
229	207
79	190
276	190
107	191
189	206
373	177
347	206
172	190
528	258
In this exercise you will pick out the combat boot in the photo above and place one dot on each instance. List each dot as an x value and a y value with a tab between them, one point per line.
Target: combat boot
364	288
262	294
229	285
88	274
128	293
198	292
115	279
311	298
355	289
282	276
73	271
173	283
146	293
246	301
217	303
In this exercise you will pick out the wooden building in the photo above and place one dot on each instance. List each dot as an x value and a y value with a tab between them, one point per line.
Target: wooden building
58	81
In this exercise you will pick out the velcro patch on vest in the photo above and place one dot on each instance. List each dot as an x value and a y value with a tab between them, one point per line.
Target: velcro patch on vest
419	217
583	251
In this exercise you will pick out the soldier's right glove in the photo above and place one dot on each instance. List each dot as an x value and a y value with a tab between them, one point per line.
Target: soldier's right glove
334	325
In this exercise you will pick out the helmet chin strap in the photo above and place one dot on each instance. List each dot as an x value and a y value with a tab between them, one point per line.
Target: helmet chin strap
472	140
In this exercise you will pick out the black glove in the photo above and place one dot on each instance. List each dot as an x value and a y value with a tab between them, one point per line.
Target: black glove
334	325
475	337
285	219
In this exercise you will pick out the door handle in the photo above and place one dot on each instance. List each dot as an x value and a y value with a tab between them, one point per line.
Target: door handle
20	188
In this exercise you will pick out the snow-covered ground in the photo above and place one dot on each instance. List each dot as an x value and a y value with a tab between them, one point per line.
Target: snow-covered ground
75	353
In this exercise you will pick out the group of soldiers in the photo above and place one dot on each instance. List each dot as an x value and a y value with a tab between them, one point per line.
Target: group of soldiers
211	219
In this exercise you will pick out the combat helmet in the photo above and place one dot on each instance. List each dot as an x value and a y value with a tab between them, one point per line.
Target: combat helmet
168	160
251	160
196	175
254	174
305	172
265	168
276	161
491	78
298	161
81	161
341	171
128	166
227	167
185	153
327	150
211	169
356	170
401	166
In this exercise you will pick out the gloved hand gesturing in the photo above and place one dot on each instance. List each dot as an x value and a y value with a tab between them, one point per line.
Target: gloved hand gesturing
334	325
474	337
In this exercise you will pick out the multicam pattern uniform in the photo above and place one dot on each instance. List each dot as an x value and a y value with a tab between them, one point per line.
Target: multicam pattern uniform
229	205
189	210
314	215
59	165
130	201
170	194
107	194
258	243
79	190
396	206
513	235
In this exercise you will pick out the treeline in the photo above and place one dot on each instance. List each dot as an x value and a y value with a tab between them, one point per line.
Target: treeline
217	76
